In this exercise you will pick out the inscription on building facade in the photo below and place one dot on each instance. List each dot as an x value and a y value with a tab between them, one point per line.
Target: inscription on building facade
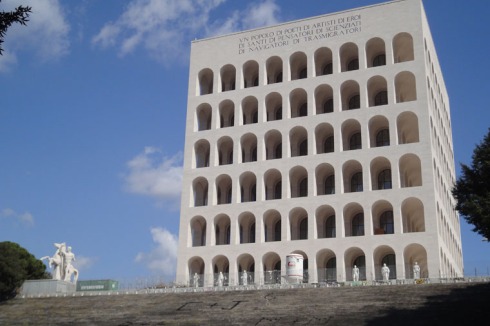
321	30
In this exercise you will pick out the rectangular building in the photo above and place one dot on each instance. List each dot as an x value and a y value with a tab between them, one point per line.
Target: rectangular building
328	137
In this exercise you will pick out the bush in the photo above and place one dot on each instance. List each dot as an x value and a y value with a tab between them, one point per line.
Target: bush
17	265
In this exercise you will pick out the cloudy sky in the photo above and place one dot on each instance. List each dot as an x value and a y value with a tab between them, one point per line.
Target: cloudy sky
92	113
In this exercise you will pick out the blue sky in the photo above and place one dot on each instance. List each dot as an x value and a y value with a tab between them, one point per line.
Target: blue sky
93	97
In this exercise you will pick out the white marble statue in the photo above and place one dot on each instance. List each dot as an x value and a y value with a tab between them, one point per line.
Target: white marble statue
416	271
61	263
221	279
56	262
385	272
244	278
196	280
70	270
355	273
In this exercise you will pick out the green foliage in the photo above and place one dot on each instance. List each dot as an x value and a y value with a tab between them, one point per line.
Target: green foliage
20	15
472	190
17	265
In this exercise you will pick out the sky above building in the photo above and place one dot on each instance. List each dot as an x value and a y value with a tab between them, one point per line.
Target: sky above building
93	98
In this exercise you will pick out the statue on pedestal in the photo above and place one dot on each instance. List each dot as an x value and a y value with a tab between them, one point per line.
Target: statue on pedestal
221	279
69	268
385	272
355	274
195	279
244	278
61	263
416	271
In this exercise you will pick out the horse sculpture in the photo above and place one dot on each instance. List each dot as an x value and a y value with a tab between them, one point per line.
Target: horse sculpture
61	263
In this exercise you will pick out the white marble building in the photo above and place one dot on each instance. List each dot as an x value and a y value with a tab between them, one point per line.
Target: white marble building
328	137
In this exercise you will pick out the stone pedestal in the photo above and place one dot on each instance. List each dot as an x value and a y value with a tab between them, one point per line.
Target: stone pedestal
46	287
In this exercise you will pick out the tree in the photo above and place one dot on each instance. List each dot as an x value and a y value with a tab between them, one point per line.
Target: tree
472	189
20	15
17	265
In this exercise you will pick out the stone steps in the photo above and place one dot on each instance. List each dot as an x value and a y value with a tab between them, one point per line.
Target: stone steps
423	304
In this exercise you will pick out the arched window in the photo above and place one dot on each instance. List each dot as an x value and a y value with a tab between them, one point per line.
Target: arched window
383	138
384	179
329	185
355	141
327	69
303	110
200	194
303	73
198	233
328	106
386	222
355	102
277	231
356	182
353	65
381	98
303	229
358	225
330	227
379	60
328	145
303	187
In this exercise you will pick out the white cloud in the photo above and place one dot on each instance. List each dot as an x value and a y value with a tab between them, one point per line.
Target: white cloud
46	33
261	14
25	218
152	174
165	28
163	257
257	14
83	263
7	60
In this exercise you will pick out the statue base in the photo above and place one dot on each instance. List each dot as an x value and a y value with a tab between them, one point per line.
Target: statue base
46	287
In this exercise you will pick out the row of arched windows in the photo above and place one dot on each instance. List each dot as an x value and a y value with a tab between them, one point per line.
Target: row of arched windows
439	98
324	141
352	97
352	223
447	268
325	62
352	180
447	233
448	222
330	266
